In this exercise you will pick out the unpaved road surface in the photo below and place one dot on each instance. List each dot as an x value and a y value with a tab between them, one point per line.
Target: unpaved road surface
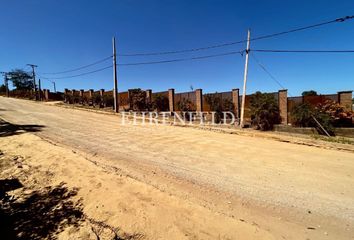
278	190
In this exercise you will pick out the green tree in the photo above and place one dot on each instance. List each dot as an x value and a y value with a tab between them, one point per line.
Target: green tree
301	115
264	111
218	105
309	93
2	88
21	79
137	99
160	103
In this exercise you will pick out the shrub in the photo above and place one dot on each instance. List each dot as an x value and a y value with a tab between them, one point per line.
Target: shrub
84	100
329	114
309	93
137	99
2	88
264	111
301	115
96	99
68	98
108	100
186	106
160	103
338	116
76	99
218	105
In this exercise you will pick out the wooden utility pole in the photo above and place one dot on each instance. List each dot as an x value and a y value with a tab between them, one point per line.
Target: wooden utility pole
6	83
245	80
34	79
39	90
55	90
115	89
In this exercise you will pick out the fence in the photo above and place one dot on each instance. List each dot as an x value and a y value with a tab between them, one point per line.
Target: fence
199	100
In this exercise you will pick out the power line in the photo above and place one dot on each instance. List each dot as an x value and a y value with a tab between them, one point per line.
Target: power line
149	63
337	20
180	59
266	71
82	67
302	51
78	75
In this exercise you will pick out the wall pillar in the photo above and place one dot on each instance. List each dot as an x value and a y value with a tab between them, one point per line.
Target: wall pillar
283	105
236	102
101	94
81	92
345	99
91	93
148	95
73	91
199	100
66	92
46	94
171	99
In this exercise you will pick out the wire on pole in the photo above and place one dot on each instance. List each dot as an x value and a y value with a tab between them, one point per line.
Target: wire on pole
82	67
337	20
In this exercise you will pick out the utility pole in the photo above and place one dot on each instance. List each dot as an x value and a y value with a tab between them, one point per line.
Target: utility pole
39	90
34	79
6	83
245	80
115	90
55	90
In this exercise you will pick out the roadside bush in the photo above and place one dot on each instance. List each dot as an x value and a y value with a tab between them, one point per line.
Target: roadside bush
76	99
160	103
301	115
337	115
186	106
309	93
218	105
2	88
108	100
96	99
264	111
84	100
329	114
68	98
137	99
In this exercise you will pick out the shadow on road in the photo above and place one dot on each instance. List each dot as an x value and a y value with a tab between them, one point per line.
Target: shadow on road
37	215
8	129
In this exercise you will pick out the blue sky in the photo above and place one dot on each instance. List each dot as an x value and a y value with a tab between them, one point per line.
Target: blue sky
62	34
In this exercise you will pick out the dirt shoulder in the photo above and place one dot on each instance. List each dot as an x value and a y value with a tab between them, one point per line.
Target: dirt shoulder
184	183
95	201
318	141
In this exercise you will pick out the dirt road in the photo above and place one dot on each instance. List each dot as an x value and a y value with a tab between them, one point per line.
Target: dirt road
284	190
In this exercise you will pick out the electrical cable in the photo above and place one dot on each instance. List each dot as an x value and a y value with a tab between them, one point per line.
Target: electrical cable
337	20
83	67
78	75
302	51
181	59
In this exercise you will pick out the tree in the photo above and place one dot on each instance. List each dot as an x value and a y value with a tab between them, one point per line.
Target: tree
21	79
309	93
301	115
2	88
218	105
137	99
264	111
160	103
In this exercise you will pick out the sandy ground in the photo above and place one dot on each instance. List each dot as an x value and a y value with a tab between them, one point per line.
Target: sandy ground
165	182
